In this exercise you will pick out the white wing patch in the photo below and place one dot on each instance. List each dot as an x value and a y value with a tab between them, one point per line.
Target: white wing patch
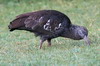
49	21
58	27
47	26
40	19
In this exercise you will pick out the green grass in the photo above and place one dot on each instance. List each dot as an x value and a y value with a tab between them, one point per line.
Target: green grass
21	48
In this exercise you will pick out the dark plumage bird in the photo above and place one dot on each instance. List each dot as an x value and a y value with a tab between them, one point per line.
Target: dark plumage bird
49	24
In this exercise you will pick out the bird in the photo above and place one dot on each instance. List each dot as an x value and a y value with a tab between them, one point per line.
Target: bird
49	24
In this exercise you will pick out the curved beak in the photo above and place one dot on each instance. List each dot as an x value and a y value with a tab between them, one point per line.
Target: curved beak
87	41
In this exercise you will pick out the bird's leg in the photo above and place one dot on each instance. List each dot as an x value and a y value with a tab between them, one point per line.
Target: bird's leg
49	42
41	42
42	39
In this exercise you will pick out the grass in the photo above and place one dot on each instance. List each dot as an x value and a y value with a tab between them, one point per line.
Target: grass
21	48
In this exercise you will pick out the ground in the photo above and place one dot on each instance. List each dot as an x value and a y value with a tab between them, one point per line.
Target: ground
21	48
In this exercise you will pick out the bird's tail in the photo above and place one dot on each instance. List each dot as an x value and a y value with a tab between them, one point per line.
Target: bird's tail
16	24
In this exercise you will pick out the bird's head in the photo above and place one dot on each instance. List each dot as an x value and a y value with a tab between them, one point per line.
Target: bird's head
77	33
80	32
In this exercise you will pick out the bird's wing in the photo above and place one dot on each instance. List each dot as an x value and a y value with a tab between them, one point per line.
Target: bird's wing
46	22
35	21
53	23
30	22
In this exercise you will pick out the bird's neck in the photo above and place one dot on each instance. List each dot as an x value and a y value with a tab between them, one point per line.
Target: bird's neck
67	34
71	33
